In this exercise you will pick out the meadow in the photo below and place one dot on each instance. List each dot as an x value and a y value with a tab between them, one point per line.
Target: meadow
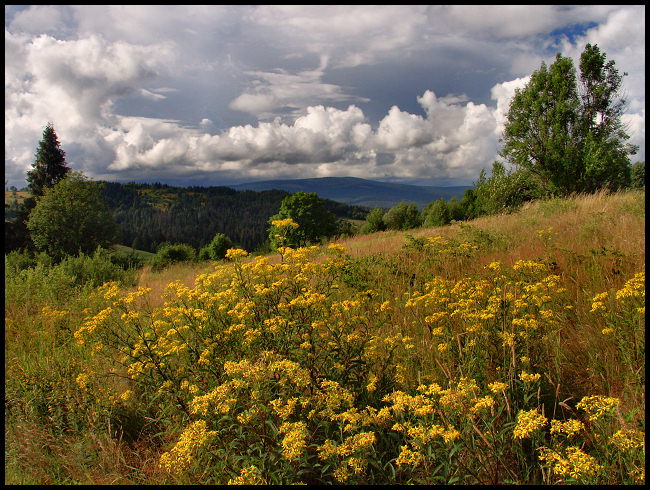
505	350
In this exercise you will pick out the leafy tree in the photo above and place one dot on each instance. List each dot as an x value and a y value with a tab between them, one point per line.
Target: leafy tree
218	247
48	168
638	175
570	137
374	221
456	210
504	191
71	218
314	221
403	216
436	213
468	204
606	161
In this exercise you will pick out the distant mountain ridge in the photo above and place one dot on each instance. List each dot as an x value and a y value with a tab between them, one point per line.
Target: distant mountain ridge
360	192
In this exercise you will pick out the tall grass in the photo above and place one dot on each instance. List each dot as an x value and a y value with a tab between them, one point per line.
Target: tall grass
509	349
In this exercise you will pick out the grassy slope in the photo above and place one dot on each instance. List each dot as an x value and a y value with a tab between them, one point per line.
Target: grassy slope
594	243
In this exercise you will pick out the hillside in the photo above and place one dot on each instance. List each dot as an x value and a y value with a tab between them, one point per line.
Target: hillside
149	214
360	192
509	349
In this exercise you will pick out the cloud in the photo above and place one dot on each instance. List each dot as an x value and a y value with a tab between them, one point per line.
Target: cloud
455	138
72	84
235	93
272	93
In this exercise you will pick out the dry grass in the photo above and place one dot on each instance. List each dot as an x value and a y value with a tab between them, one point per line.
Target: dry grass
594	243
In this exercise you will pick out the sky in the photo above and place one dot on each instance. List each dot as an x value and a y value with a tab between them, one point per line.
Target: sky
217	95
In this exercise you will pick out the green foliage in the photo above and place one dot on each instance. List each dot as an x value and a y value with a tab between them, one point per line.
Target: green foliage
637	176
314	221
403	216
571	137
456	209
505	191
127	260
172	253
436	213
33	279
374	221
219	246
71	218
49	166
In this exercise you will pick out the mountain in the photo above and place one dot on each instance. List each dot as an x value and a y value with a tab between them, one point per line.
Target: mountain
360	192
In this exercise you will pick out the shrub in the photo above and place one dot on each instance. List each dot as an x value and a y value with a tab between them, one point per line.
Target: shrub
403	216
171	253
219	246
374	221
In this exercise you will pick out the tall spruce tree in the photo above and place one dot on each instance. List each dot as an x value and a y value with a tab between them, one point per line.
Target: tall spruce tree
571	135
49	165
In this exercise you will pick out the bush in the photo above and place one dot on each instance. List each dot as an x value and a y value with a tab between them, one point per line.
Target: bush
93	270
374	221
403	216
32	280
436	213
18	260
126	261
218	247
171	253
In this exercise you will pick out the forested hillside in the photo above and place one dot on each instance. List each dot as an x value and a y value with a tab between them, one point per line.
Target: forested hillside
150	214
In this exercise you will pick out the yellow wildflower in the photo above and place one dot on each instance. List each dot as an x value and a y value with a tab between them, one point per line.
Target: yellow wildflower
233	253
127	395
598	302
179	458
528	422
482	403
634	288
498	387
577	464
294	441
570	427
284	223
628	439
408	457
529	378
596	406
82	380
249	476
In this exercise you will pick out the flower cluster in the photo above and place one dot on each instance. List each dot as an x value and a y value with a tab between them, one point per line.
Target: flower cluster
598	406
574	463
282	358
180	456
528	421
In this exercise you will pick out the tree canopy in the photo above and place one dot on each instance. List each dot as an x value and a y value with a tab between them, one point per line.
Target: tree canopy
403	216
71	217
309	212
570	134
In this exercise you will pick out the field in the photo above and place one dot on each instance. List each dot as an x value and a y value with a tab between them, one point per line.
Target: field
505	350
